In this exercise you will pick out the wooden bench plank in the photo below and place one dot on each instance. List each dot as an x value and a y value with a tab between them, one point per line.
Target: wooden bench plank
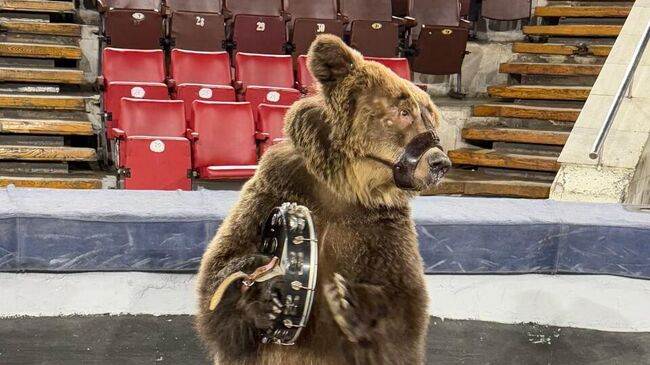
32	153
50	182
516	135
550	69
583	11
56	102
42	75
573	30
37	6
46	126
33	27
476	183
492	158
540	92
37	50
560	49
527	112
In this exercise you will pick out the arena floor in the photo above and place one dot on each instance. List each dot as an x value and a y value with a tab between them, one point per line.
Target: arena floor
137	340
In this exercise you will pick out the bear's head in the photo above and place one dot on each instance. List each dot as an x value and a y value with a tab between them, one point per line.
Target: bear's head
368	134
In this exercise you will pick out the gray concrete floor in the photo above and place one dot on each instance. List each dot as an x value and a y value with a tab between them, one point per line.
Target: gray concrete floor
131	340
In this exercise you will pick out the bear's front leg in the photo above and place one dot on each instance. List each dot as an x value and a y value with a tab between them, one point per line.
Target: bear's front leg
358	309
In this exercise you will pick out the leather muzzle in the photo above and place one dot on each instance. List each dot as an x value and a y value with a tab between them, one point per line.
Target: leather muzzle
405	166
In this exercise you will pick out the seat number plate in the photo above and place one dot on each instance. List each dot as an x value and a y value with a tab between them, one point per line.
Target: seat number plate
320	28
200	21
261	26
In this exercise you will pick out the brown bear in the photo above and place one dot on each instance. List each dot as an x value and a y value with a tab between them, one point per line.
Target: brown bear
357	153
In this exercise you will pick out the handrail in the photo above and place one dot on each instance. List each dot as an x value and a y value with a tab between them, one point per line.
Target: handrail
618	97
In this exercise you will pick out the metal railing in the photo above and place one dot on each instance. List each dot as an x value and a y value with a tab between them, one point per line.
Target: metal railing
628	78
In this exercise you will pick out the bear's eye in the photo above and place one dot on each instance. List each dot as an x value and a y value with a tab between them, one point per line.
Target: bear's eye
404	113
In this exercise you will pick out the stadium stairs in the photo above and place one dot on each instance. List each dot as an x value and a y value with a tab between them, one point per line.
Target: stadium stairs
46	137
529	119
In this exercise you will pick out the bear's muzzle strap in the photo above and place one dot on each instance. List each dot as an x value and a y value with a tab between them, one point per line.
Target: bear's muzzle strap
405	166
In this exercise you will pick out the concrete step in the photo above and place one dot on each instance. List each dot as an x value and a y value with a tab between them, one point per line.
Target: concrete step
562	49
476	183
38	27
47	153
527	112
41	75
516	135
51	181
583	11
46	126
37	6
573	30
540	92
55	102
493	158
38	50
550	69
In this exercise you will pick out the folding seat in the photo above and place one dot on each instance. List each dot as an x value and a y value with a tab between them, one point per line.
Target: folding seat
133	74
506	9
200	76
438	29
398	65
265	79
371	29
196	25
224	147
136	24
256	26
154	153
271	125
304	80
310	18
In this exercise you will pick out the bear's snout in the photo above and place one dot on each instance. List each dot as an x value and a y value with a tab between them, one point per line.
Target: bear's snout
439	163
433	165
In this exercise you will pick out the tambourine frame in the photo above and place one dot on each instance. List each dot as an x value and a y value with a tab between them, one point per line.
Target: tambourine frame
289	234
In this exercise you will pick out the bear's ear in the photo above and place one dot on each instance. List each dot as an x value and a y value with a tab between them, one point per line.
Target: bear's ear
331	60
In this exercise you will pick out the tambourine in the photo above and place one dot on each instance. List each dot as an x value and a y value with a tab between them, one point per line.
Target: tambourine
289	234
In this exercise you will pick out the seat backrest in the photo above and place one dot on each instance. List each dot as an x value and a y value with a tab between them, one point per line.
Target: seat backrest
197	6
436	12
133	65
264	70
506	9
464	7
226	134
305	78
254	7
398	65
321	9
211	68
158	118
380	10
271	119
135	4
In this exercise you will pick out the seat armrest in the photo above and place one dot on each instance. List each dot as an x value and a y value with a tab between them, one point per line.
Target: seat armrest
99	83
191	135
239	87
279	140
406	22
171	83
286	16
227	14
118	133
344	19
261	136
101	6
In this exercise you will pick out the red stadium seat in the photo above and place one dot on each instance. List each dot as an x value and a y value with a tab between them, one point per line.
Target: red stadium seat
153	152
224	148
310	18
201	76
133	74
136	24
305	80
196	25
398	65
265	79
271	125
256	26
372	31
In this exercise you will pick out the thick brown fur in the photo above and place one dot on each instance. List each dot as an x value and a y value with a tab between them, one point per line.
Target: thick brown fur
371	304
